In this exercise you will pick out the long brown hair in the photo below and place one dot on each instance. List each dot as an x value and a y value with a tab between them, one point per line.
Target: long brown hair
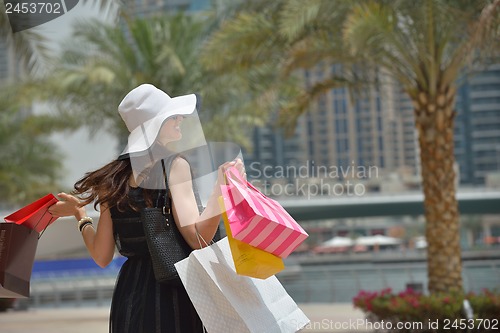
108	184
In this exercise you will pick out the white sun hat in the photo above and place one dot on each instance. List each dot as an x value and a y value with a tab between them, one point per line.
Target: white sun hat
145	109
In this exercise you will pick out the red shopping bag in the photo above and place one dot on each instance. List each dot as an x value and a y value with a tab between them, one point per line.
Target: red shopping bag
17	254
258	220
35	215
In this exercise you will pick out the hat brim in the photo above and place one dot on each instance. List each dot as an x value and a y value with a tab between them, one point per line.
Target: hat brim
143	136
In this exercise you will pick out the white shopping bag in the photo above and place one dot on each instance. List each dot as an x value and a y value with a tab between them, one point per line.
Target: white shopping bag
228	302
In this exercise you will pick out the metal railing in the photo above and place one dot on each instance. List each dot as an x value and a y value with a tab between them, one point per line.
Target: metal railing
325	283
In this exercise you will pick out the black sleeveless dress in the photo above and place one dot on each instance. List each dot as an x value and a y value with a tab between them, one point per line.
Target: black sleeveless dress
140	304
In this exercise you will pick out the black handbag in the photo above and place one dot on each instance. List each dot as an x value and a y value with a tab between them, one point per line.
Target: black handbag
165	242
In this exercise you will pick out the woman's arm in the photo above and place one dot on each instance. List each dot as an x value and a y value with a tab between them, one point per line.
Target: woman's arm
185	208
100	243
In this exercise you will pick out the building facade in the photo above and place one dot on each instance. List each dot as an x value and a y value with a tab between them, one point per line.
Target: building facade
379	130
477	129
374	129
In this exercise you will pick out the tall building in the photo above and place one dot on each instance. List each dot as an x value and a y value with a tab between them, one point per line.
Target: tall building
379	130
406	132
375	131
477	128
271	149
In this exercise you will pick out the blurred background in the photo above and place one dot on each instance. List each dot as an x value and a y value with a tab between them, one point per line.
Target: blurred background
372	123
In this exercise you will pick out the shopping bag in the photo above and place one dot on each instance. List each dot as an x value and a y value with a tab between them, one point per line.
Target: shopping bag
249	260
258	220
17	254
35	215
227	302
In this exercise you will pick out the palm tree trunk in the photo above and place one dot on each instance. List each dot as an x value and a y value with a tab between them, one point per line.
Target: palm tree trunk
434	122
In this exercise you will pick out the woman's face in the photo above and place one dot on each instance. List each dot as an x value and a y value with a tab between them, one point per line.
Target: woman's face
171	130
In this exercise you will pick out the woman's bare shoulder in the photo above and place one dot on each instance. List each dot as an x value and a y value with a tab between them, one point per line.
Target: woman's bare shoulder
180	171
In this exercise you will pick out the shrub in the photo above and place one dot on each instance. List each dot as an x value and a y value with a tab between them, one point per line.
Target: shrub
410	311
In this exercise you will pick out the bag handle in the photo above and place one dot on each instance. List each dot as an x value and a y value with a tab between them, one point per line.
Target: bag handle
200	238
53	218
267	201
232	171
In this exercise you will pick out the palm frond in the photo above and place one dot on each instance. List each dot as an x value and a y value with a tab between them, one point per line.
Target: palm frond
30	47
90	81
29	163
314	49
231	45
375	31
481	32
295	17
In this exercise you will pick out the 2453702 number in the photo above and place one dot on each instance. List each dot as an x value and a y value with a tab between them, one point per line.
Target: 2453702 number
462	324
33	8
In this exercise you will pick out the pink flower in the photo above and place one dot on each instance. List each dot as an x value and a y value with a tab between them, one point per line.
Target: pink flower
414	303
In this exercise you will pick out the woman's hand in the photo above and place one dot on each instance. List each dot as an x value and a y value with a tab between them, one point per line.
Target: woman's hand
68	206
237	163
240	167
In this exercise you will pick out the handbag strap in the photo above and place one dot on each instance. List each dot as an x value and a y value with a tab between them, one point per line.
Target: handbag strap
167	204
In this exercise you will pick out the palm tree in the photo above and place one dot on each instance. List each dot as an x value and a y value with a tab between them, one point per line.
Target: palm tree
30	47
88	84
29	164
423	45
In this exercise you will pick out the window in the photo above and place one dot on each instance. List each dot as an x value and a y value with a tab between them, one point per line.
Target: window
341	126
379	123
483	87
342	145
486	100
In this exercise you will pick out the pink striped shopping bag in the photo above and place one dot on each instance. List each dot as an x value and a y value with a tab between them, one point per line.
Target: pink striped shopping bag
258	220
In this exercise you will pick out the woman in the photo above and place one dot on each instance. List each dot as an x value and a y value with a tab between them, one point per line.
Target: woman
140	303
